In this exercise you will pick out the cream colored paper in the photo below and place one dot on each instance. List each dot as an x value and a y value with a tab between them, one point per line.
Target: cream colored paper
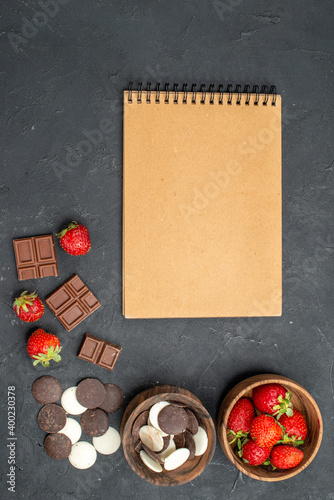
202	224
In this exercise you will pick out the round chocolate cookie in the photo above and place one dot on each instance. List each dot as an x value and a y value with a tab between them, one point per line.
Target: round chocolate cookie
94	422
57	446
46	390
90	393
173	419
51	418
113	399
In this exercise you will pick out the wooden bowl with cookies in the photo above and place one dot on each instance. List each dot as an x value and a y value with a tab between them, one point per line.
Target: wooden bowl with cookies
168	436
295	412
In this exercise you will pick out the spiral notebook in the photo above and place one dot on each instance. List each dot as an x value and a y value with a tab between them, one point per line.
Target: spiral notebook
202	224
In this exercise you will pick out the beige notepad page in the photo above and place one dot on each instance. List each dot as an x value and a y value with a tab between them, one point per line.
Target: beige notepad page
202	223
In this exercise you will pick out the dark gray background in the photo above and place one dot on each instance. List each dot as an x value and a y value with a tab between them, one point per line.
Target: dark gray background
59	84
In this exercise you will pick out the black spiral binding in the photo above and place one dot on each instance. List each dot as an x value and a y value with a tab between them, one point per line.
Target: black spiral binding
269	95
185	93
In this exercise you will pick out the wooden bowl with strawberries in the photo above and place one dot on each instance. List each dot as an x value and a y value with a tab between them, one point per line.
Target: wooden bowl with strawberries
186	454
292	410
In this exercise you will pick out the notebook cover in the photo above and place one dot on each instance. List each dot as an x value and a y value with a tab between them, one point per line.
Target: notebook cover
202	225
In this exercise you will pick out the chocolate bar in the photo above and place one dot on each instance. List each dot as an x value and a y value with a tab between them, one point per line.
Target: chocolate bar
72	302
99	352
35	257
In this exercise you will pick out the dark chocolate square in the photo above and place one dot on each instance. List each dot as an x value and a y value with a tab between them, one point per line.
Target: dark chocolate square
35	257
72	315
91	348
99	352
27	273
59	299
76	285
108	356
72	302
89	301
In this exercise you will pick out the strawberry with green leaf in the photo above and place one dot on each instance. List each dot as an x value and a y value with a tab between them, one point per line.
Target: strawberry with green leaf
295	428
43	347
240	419
28	307
273	399
253	454
75	239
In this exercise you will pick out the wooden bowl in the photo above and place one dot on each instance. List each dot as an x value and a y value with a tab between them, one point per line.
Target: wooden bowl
191	468
301	400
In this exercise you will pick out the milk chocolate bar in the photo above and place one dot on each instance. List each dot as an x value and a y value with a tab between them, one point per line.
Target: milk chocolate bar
72	302
35	257
99	352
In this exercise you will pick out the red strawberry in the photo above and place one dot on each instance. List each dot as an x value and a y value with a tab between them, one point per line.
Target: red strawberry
253	454
295	428
75	239
265	431
240	419
43	347
28	307
285	456
273	399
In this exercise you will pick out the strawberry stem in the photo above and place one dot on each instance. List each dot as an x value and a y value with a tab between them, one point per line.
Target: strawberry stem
236	435
44	359
284	406
24	299
62	233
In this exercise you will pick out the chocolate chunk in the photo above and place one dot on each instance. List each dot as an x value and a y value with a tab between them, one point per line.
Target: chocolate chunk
166	443
35	257
192	425
99	352
179	440
57	446
94	422
178	403
113	399
152	454
173	419
91	348
51	418
46	390
190	444
138	446
109	355
90	393
72	302
140	421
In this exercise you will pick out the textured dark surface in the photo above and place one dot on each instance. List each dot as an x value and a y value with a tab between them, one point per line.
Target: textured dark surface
61	85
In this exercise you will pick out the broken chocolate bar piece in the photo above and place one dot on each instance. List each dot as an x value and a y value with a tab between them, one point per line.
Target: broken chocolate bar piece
99	352
72	302
35	257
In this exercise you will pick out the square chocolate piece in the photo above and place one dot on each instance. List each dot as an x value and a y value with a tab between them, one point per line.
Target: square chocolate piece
99	352
35	257
72	302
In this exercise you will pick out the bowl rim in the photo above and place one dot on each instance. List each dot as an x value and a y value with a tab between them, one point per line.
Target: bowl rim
192	402
224	413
